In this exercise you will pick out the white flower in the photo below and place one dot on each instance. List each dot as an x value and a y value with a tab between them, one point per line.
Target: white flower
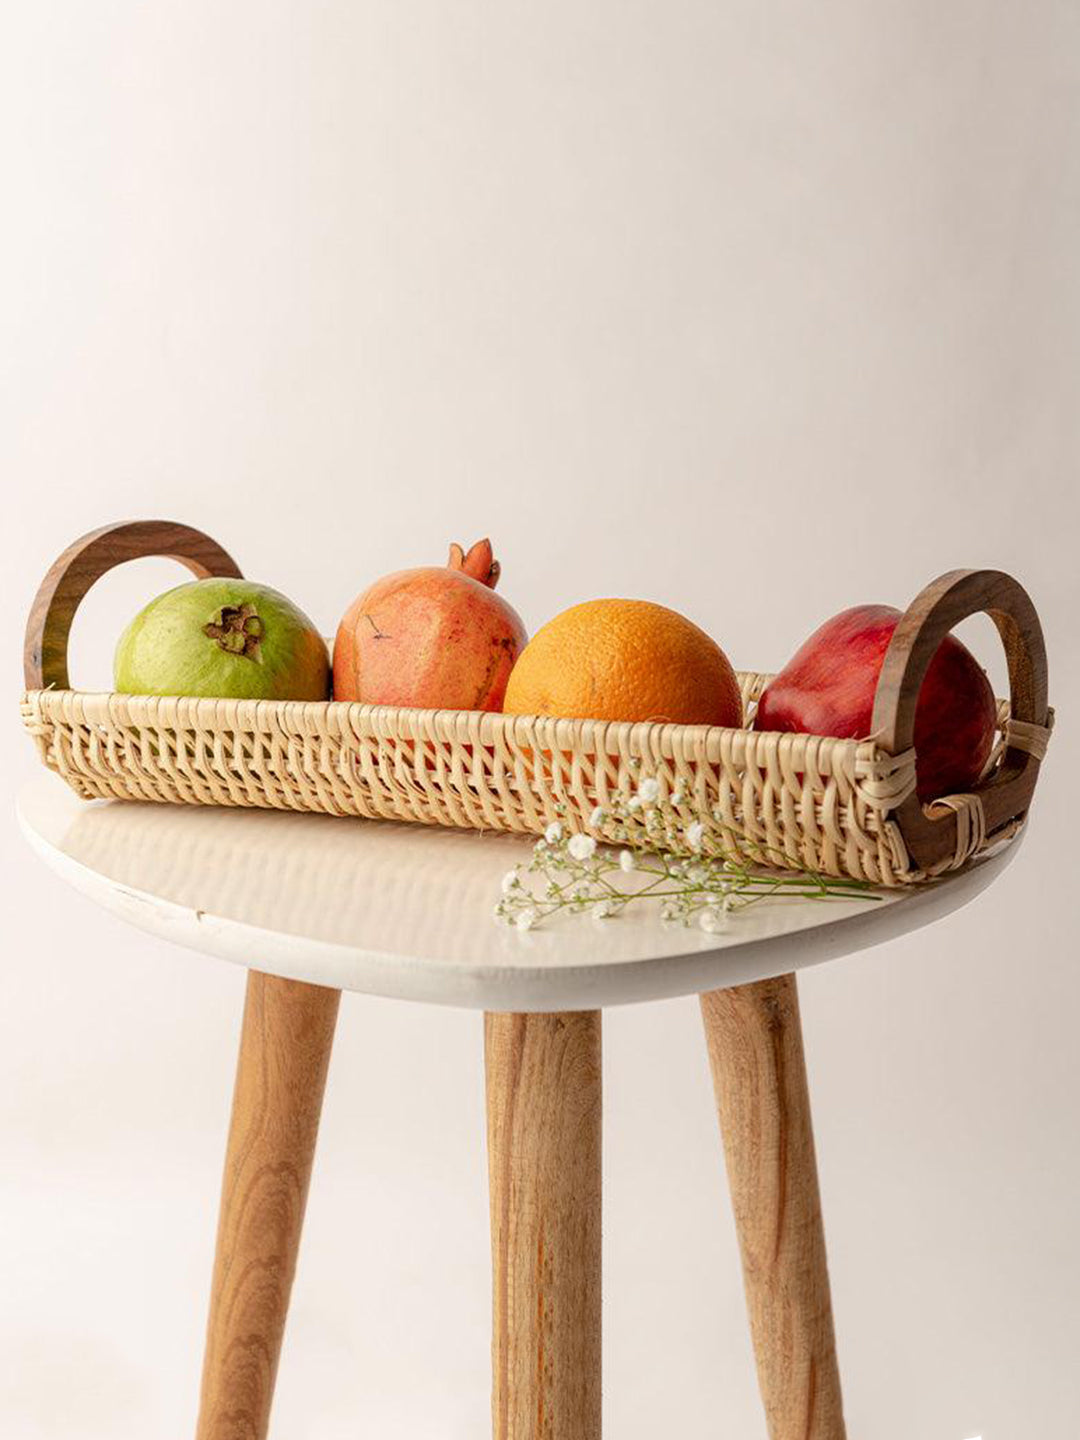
695	834
553	833
634	803
597	818
510	881
648	791
678	796
582	847
526	919
713	920
626	861
603	909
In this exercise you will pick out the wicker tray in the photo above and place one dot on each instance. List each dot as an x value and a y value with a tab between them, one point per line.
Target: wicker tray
837	807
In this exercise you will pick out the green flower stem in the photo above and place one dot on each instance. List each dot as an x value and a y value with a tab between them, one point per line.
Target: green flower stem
577	876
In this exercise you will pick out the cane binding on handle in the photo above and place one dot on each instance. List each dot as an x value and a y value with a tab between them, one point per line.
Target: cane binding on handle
81	564
931	838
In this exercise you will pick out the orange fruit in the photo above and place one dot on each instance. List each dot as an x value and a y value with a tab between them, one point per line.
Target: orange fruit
624	660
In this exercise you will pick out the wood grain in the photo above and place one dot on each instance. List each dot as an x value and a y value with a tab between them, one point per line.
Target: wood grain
288	1030
951	598
759	1074
544	1124
84	562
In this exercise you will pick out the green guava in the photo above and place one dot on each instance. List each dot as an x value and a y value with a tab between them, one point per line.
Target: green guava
231	639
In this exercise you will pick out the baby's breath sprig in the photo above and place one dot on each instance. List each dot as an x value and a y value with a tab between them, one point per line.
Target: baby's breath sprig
573	872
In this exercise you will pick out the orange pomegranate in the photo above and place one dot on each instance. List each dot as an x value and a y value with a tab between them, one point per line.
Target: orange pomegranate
436	637
624	660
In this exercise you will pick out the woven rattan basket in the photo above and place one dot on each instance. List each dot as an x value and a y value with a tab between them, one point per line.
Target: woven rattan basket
837	807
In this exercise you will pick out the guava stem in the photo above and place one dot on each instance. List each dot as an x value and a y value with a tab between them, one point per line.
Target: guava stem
237	630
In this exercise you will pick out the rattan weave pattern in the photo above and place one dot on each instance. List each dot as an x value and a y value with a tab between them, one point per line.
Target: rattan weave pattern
802	801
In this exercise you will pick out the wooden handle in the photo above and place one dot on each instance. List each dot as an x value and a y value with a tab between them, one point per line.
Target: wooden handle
47	630
1006	794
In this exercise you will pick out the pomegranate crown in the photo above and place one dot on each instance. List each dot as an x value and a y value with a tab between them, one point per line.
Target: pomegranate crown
478	562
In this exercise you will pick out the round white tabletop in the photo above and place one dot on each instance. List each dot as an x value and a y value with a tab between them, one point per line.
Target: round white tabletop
406	910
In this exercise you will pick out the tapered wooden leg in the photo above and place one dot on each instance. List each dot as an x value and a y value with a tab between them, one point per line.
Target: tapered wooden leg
759	1073
544	1121
285	1044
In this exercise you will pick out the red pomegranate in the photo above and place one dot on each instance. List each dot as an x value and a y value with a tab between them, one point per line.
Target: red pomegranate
437	637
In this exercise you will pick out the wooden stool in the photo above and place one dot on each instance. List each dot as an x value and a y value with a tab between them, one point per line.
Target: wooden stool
412	919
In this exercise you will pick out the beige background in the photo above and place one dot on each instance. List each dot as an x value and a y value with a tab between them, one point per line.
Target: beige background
757	309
